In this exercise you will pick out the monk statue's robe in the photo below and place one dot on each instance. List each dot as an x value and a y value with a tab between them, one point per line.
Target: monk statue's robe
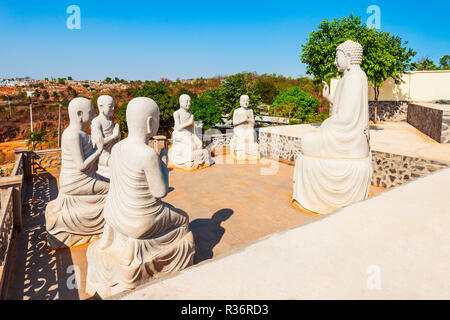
334	168
75	217
143	236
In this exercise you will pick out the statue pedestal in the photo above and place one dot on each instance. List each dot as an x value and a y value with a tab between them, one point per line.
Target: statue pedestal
324	185
244	150
182	158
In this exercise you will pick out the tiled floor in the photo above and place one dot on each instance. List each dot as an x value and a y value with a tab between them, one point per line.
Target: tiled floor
229	204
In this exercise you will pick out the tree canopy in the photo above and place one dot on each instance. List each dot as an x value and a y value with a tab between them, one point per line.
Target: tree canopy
385	55
298	106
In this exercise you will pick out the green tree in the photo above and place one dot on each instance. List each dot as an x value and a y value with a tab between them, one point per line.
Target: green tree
206	109
55	95
36	138
266	88
425	64
69	78
444	62
228	95
107	80
37	93
385	55
296	105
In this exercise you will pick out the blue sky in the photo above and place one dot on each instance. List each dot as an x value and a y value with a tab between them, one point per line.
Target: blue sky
152	39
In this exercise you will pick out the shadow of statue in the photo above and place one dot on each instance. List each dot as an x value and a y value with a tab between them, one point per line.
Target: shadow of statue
208	233
37	272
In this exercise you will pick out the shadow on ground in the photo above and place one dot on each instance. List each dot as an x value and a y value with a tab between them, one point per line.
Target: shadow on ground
36	272
208	233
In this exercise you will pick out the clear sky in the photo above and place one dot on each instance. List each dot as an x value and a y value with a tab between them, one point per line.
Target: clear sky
153	39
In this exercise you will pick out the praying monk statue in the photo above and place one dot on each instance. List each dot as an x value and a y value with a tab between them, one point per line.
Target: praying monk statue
143	236
187	150
334	168
243	145
103	126
76	216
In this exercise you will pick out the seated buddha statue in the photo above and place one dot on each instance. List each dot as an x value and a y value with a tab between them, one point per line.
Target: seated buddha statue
334	168
76	216
103	126
143	236
243	144
187	150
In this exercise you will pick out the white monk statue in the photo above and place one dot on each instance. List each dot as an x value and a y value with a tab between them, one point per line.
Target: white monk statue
243	145
103	126
186	151
143	236
334	168
76	216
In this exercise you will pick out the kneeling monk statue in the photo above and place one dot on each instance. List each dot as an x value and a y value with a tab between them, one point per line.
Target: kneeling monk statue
143	236
334	168
76	216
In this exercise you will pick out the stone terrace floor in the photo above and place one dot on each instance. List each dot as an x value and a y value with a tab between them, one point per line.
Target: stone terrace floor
230	205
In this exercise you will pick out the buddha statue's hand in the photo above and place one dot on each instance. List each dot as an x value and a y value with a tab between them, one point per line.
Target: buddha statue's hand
326	92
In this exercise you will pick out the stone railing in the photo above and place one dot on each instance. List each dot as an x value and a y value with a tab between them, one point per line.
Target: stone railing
389	170
45	161
11	195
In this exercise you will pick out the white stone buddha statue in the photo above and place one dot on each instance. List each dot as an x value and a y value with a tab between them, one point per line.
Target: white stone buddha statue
103	126
243	144
186	151
76	216
143	236
334	168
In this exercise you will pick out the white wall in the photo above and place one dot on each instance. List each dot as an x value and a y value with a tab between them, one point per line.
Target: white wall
416	86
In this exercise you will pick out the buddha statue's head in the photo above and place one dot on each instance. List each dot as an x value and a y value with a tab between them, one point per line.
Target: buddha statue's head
348	53
244	101
105	105
81	111
142	117
185	102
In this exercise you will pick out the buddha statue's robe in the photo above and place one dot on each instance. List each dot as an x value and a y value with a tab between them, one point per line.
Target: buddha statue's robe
243	144
143	236
107	130
334	168
75	217
187	150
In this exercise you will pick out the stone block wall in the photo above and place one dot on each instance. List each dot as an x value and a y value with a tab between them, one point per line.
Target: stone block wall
425	119
389	169
389	110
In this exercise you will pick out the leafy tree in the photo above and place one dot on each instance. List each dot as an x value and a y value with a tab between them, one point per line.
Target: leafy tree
36	138
55	95
206	109
444	62
385	55
37	93
266	88
61	81
231	90
69	78
425	64
107	80
297	105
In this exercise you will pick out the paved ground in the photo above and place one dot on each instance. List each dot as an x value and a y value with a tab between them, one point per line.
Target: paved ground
393	246
230	205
